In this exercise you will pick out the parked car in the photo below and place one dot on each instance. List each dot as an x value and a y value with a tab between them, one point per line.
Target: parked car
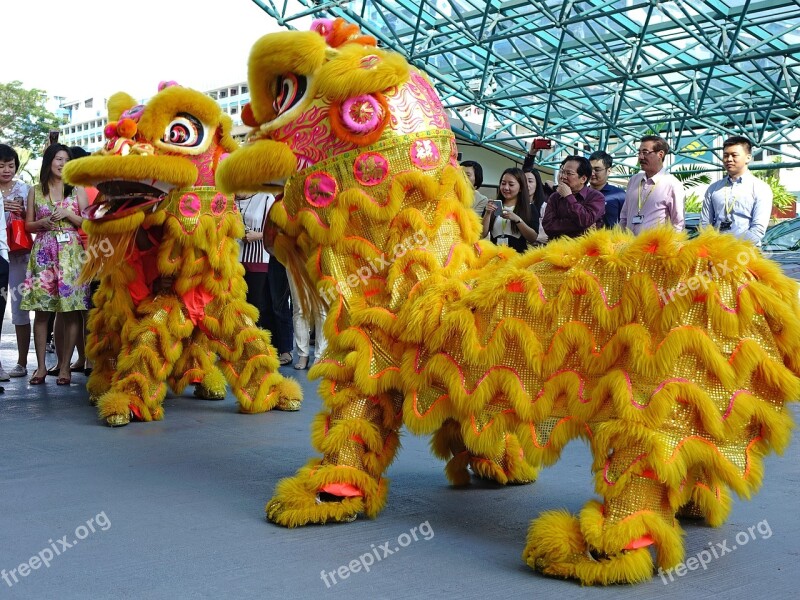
691	221
781	243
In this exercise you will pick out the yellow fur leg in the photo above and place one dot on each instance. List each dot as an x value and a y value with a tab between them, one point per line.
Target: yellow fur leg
146	360
556	548
507	466
248	360
711	503
197	364
213	385
290	395
297	499
447	444
609	543
116	407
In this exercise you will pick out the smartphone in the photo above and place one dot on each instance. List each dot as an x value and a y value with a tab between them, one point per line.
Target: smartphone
542	144
499	205
53	136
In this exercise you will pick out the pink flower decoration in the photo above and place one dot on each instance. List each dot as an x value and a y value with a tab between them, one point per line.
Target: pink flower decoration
361	114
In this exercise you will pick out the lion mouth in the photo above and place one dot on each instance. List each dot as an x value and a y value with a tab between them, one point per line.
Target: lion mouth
119	198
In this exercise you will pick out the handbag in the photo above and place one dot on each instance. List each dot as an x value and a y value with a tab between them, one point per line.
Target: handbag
19	240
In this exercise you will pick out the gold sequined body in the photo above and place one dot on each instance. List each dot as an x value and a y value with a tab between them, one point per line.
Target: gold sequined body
675	370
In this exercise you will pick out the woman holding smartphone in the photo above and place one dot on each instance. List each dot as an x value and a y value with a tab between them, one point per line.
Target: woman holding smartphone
53	214
512	220
13	193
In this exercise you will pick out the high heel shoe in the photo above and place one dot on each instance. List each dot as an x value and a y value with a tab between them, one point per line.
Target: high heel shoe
54	371
302	363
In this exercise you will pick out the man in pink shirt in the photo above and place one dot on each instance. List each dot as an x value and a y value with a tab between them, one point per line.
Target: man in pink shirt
653	196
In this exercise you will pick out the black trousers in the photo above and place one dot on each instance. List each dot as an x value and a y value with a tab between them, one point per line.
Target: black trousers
283	333
258	296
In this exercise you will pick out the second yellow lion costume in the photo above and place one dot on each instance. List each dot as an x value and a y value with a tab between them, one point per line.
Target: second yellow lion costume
171	304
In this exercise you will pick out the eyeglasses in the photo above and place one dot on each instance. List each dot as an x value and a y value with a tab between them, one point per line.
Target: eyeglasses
647	152
569	173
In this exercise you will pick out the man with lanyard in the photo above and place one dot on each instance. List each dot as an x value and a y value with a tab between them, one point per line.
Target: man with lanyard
739	203
653	196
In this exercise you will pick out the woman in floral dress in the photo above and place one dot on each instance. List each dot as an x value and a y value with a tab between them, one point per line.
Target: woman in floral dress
57	256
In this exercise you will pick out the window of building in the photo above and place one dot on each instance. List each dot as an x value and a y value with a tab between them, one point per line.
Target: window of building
89	103
234	110
234	91
223	93
244	89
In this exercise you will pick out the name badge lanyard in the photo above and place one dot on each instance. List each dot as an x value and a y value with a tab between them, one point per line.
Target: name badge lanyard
62	234
730	200
646	198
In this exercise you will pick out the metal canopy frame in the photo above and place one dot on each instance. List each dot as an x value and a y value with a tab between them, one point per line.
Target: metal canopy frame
596	74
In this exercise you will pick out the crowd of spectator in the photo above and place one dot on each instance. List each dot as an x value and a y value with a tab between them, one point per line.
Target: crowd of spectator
528	212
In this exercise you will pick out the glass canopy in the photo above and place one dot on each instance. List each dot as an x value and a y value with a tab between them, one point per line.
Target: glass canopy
596	74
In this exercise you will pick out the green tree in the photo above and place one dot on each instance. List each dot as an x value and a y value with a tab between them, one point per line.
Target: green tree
24	119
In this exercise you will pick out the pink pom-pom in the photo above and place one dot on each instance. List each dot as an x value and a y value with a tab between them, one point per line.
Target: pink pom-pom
165	84
324	27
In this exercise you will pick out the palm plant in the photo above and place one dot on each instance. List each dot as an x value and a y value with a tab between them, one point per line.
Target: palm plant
691	180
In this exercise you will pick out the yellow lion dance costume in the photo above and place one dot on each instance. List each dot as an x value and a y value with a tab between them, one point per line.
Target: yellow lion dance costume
679	389
171	304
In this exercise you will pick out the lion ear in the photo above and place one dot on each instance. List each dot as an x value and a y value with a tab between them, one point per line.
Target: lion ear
118	104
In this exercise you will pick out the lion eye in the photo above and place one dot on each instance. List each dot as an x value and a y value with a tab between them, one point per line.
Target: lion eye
290	89
184	130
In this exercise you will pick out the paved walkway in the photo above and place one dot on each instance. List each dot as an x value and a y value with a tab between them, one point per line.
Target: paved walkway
175	509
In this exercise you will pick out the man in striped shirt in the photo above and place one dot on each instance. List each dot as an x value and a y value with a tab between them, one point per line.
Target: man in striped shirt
653	196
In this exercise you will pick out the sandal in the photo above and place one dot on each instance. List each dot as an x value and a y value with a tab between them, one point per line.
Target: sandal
76	369
302	363
285	359
54	371
37	380
63	381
